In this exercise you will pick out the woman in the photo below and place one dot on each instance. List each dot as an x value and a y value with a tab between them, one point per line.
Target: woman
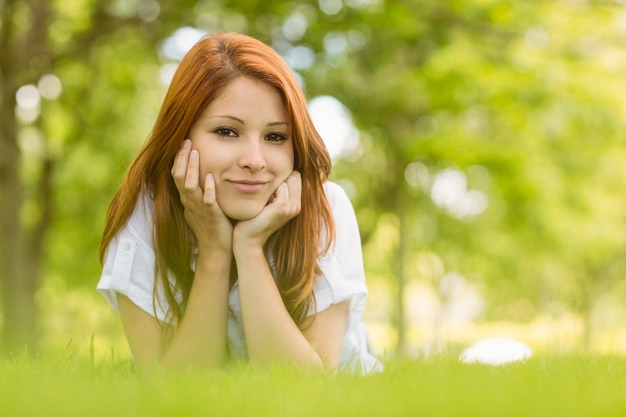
225	238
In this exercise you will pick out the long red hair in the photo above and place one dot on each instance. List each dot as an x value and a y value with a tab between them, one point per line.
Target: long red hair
203	73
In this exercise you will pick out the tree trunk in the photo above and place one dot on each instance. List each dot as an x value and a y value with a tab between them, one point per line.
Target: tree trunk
18	305
17	284
25	55
399	209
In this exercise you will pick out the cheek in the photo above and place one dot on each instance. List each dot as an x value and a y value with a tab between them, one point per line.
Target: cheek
208	160
285	160
289	164
205	168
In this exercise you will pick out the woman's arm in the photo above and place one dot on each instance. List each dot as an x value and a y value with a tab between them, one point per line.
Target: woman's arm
200	337
271	334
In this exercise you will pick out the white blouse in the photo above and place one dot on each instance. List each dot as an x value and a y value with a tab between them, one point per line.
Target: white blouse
129	270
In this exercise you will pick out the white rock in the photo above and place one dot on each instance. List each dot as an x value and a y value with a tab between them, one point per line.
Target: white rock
496	351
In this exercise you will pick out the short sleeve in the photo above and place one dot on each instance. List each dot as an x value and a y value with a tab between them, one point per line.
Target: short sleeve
343	279
129	264
343	276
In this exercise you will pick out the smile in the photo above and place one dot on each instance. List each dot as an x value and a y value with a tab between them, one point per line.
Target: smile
247	187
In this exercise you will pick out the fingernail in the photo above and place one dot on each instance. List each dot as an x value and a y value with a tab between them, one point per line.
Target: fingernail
186	143
194	154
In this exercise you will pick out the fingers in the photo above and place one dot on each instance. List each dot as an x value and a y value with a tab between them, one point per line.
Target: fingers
294	185
284	206
289	195
179	168
192	176
186	169
209	190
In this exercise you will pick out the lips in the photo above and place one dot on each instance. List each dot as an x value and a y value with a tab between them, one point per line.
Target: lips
247	187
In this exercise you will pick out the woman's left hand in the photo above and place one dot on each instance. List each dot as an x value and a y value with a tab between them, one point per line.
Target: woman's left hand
284	206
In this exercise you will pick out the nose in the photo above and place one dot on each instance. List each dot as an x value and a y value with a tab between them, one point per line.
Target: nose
252	157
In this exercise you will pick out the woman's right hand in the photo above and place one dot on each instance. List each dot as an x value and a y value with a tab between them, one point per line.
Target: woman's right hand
213	230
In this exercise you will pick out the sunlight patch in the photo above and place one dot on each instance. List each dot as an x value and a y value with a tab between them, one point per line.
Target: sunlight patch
496	351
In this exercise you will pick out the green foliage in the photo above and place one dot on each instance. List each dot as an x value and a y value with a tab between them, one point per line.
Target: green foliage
514	91
523	98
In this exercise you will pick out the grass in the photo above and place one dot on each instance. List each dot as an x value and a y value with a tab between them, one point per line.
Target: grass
90	376
572	385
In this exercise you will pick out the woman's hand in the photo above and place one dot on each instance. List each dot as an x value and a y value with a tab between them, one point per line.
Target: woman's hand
284	206
204	216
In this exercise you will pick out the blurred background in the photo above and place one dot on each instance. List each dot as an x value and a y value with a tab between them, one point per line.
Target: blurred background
482	144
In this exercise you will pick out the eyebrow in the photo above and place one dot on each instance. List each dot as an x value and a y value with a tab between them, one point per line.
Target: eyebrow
237	119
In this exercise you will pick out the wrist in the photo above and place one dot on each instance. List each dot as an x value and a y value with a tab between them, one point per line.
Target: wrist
211	247
247	247
211	258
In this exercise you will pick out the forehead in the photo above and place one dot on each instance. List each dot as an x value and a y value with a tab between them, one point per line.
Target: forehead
248	96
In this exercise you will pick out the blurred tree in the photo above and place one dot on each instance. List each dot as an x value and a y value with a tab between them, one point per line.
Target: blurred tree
508	99
62	157
489	135
401	68
45	47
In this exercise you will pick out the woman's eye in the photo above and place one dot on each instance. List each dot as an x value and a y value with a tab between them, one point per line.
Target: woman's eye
225	132
275	137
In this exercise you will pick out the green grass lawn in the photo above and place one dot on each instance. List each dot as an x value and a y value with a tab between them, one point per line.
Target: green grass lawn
574	385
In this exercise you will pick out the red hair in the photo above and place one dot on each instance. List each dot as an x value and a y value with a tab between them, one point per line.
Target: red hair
203	73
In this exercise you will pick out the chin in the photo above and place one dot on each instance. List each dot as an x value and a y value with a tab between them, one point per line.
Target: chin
242	213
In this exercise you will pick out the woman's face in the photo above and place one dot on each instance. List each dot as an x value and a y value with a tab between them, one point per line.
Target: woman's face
244	140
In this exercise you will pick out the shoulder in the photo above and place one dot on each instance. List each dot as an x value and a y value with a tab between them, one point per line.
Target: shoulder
138	227
140	221
334	192
128	267
137	232
338	200
342	275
